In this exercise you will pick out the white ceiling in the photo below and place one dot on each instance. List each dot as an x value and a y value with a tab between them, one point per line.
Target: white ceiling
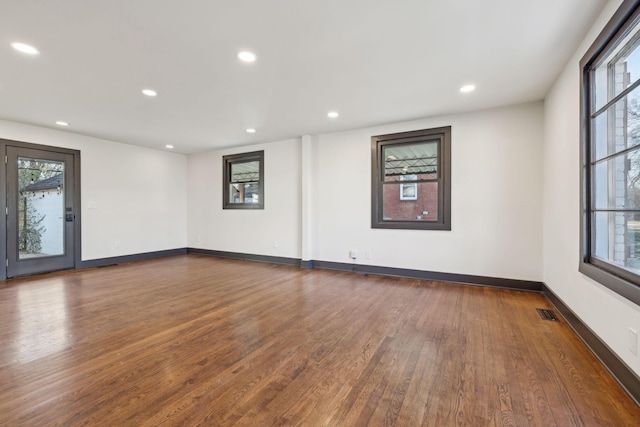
373	61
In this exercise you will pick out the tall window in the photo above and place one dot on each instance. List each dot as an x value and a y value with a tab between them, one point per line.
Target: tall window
243	181
411	180
611	155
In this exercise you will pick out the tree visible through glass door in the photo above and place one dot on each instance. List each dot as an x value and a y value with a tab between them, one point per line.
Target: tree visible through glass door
40	208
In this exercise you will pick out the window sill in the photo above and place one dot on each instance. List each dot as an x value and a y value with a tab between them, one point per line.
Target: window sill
617	284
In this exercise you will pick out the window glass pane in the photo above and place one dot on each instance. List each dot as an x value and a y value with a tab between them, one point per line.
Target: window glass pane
422	207
244	193
617	238
420	158
616	182
618	127
234	193
618	70
251	193
245	171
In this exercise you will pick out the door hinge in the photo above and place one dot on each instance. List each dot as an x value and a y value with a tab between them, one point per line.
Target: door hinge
6	211
6	160
7	263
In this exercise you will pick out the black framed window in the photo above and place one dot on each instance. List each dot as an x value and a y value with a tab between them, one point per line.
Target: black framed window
610	155
243	181
411	180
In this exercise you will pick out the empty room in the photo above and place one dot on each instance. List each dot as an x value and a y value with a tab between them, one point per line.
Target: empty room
335	213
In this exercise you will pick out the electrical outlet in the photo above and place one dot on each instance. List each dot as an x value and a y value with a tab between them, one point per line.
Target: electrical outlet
116	244
632	341
275	244
367	254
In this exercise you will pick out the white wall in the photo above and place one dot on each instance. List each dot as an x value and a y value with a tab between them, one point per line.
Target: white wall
496	198
247	231
605	312
139	193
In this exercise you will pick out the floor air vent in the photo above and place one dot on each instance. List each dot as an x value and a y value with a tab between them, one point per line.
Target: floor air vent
547	314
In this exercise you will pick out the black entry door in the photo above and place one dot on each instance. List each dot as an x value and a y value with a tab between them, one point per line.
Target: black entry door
40	211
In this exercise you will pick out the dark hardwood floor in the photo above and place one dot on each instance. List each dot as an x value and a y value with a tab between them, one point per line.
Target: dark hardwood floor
194	340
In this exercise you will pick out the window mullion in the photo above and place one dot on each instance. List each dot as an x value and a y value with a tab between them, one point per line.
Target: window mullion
616	154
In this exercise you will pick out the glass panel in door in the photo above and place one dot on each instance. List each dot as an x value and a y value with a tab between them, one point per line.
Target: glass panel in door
40	208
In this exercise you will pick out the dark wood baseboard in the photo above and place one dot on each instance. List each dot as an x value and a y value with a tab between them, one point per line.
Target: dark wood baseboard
620	371
102	262
306	264
524	285
247	257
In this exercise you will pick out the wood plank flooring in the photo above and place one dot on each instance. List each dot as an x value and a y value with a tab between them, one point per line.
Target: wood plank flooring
193	340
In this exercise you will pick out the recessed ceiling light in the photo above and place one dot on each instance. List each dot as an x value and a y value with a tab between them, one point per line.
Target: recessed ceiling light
251	130
247	56
467	88
25	48
169	146
61	123
332	114
149	92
